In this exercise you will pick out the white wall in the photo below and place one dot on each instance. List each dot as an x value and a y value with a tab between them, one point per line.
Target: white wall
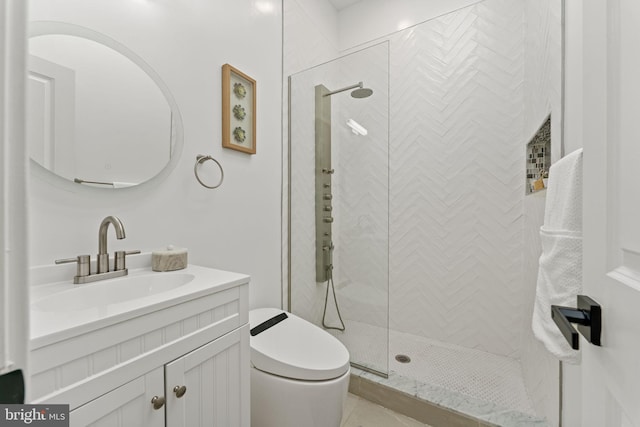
236	227
311	38
311	34
369	20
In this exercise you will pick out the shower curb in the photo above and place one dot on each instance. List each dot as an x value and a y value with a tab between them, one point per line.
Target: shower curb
411	406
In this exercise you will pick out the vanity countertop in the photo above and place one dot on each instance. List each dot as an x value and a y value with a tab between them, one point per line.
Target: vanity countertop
61	310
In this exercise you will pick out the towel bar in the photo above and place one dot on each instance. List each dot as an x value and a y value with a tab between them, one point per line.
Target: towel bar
588	316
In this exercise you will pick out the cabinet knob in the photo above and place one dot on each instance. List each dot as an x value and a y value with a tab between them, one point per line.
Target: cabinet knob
180	390
158	402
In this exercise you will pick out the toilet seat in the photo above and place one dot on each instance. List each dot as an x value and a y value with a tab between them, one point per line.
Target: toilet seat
295	348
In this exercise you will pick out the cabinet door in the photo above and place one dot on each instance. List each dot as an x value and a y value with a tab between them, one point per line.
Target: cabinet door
216	377
127	406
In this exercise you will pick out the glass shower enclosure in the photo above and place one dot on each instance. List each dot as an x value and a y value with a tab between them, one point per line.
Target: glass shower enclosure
339	202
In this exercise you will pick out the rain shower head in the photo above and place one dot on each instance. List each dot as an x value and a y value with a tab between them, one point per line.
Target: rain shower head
359	92
363	92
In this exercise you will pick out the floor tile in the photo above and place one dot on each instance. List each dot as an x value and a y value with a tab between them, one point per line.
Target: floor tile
362	413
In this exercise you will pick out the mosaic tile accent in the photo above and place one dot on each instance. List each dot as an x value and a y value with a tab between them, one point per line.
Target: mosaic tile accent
539	158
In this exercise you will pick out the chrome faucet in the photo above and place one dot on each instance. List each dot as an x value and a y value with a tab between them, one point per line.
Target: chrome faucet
103	255
83	274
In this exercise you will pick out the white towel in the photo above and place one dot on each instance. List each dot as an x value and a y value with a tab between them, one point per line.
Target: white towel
563	206
560	272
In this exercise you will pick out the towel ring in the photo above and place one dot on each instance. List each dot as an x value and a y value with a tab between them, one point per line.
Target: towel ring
200	159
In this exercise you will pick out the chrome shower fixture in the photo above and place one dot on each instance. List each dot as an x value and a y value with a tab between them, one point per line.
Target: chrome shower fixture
323	173
359	92
323	196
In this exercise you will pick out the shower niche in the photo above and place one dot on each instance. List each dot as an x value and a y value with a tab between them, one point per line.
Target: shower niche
539	159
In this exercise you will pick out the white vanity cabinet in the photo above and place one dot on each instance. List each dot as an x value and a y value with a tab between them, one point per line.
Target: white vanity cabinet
213	394
192	353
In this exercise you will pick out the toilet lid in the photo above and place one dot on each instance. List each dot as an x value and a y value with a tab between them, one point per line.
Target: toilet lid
295	348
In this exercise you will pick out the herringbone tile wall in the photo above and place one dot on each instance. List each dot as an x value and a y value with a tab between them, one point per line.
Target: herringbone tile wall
361	186
456	189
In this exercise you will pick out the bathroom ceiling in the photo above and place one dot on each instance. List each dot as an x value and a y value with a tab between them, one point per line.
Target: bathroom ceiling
342	4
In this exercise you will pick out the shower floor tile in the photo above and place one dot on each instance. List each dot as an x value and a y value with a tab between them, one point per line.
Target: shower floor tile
495	379
480	384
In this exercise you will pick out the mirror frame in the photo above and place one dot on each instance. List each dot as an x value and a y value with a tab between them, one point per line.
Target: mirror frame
41	28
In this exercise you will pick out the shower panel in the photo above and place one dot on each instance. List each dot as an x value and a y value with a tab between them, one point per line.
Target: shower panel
324	196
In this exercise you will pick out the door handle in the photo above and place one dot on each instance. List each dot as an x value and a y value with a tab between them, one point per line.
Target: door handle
588	316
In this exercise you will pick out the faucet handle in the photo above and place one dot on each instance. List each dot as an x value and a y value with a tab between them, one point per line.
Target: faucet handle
84	264
119	259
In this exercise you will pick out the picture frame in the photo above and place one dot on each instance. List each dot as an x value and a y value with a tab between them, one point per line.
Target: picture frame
238	110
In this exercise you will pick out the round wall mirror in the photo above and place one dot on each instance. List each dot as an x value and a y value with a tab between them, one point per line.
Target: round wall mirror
97	114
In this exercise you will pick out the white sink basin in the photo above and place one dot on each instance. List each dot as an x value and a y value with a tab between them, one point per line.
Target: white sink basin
61	310
112	291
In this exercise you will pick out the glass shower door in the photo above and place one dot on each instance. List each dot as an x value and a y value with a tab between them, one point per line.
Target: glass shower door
339	201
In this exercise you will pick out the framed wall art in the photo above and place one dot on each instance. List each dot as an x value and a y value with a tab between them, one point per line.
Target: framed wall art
238	110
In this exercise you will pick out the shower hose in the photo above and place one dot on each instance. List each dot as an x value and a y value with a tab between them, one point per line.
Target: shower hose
335	299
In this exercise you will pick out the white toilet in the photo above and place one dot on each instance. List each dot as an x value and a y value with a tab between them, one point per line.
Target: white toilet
299	372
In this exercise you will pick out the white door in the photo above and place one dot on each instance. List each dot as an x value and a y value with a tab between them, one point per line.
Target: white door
51	116
611	373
